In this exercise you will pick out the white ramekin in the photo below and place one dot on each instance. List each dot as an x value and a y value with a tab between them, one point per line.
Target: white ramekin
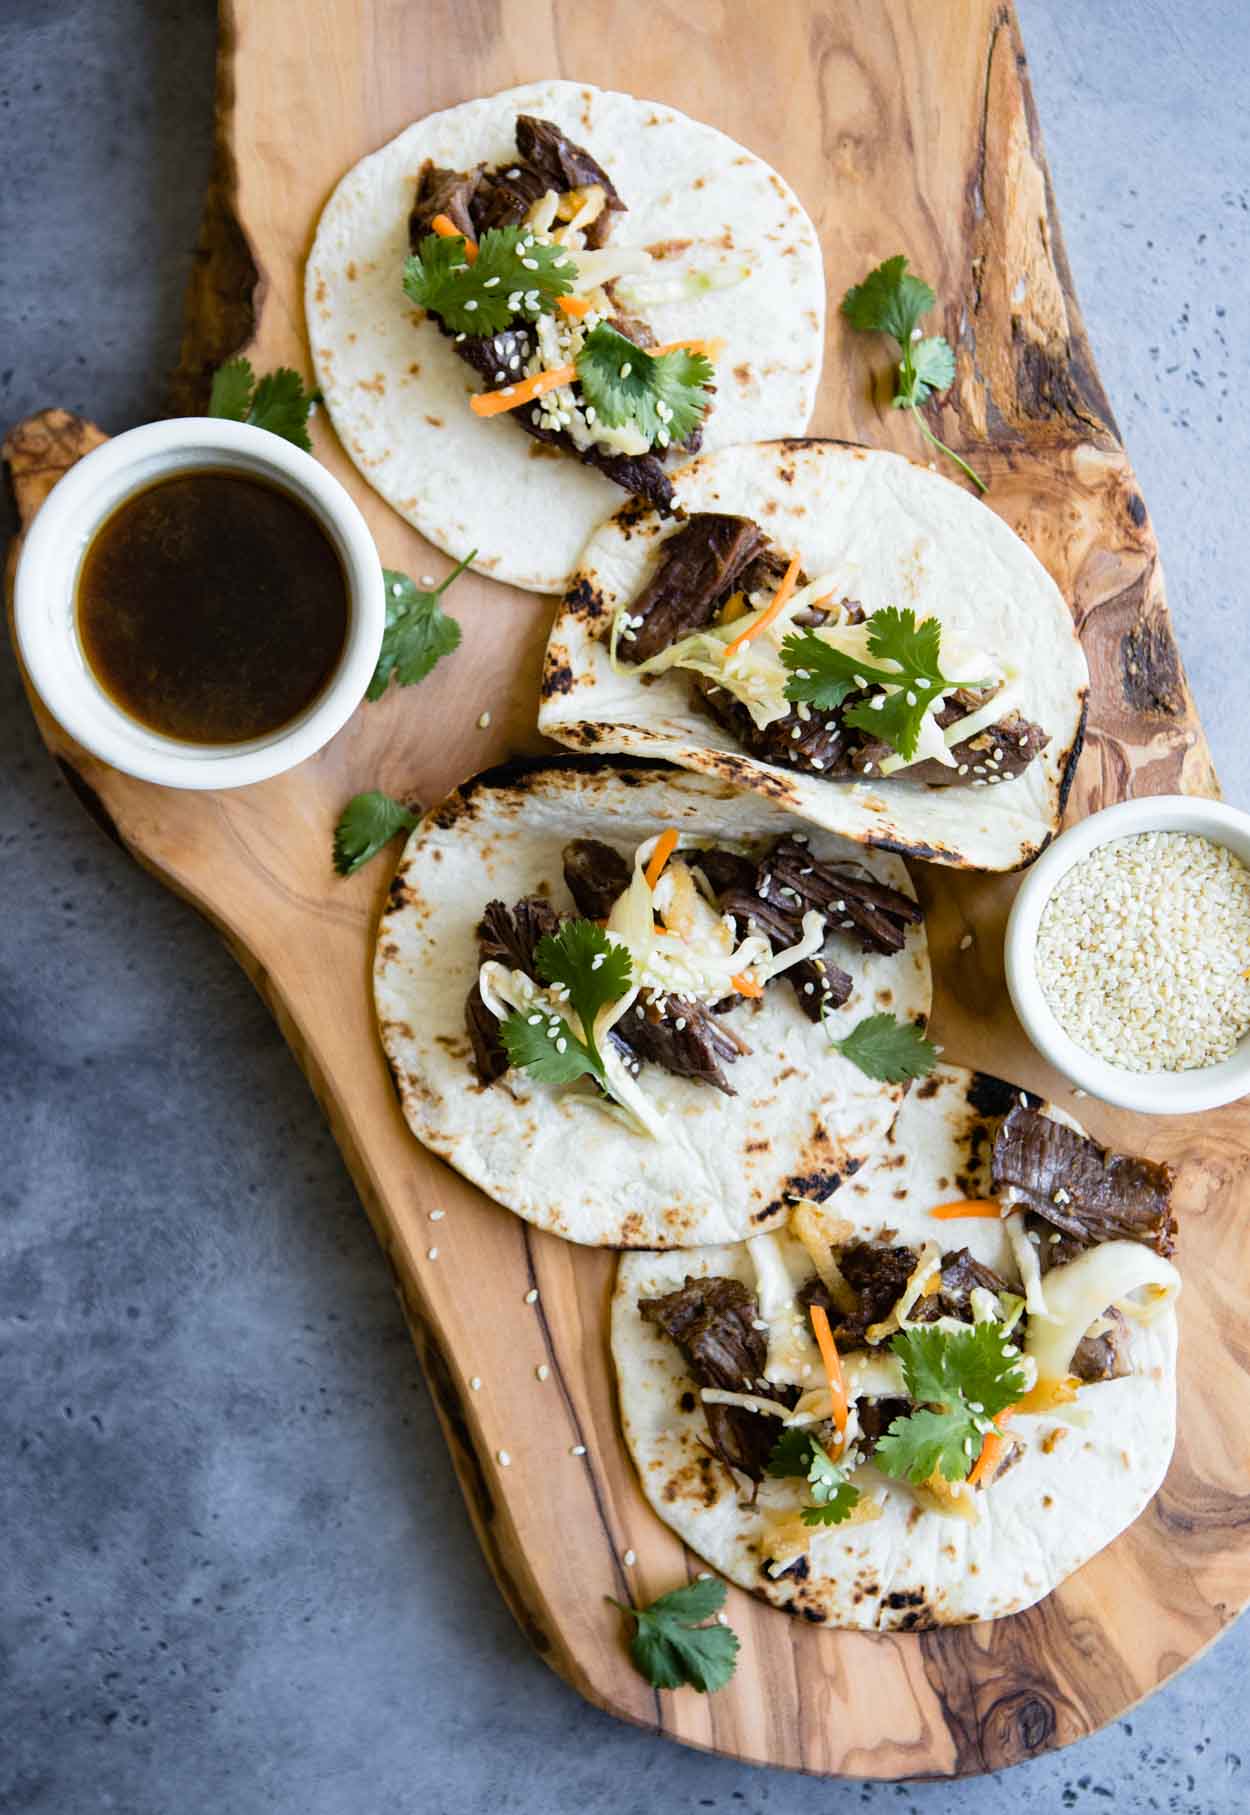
1151	1092
47	578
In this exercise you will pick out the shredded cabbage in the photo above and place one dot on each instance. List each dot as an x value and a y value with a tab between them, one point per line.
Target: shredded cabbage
1079	1292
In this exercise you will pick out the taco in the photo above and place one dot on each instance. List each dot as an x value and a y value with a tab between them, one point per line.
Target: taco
610	997
930	1399
623	242
841	629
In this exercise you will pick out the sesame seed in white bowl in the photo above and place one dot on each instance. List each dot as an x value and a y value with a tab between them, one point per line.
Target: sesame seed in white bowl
1128	954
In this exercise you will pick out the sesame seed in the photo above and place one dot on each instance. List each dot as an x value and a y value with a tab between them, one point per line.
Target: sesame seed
1142	948
629	1559
965	942
483	721
504	1459
490	283
475	1385
627	368
531	264
562	1045
542	1371
578	1449
436	1216
397	586
469	307
531	1297
431	1254
809	989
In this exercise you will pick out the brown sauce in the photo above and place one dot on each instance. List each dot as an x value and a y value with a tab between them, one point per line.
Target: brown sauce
212	607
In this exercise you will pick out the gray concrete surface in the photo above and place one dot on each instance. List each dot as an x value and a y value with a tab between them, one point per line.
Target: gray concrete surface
236	1575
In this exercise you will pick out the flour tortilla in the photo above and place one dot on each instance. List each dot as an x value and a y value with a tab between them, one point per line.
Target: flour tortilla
803	1116
900	535
398	394
1042	1519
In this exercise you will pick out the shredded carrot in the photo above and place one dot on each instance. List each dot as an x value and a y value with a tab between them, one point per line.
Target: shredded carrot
967	1206
446	228
833	1368
991	1449
577	306
710	349
779	599
512	396
746	986
665	845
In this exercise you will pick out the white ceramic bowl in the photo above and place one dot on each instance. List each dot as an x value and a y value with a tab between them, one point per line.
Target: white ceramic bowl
1152	1092
47	578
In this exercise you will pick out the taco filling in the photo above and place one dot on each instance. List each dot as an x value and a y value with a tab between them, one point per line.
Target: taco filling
522	247
889	1378
801	676
665	943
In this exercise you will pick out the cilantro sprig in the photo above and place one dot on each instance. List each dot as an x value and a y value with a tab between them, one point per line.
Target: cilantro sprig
418	631
595	971
672	1644
885	1049
824	676
959	1380
798	1453
368	822
891	300
664	395
278	402
514	275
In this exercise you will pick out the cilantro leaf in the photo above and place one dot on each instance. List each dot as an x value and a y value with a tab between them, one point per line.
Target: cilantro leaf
594	969
825	676
959	1381
368	822
791	1454
835	1509
546	1046
278	403
231	394
418	631
933	369
891	300
664	396
798	1453
885	1049
514	276
671	1646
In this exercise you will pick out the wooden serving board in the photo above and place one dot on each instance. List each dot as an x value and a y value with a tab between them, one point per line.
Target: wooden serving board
902	126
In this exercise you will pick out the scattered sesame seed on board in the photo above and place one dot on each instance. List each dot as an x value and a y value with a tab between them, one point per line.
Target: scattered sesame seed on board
475	1385
431	1254
578	1449
531	1297
542	1371
436	1216
503	1458
965	942
1142	948
483	721
629	1559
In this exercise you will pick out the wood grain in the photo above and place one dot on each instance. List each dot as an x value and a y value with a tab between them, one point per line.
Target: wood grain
903	125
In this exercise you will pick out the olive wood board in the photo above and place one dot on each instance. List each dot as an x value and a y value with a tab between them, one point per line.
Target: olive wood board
902	125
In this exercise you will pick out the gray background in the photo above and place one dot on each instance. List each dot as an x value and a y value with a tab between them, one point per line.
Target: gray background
236	1574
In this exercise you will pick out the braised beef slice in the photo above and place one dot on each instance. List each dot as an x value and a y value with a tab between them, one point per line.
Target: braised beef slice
697	570
560	163
448	192
596	875
694	1049
491	357
1103	1196
505	936
961	1271
504	197
1103	1357
712	1321
875	1418
817	744
725	870
878	1274
545	160
999	753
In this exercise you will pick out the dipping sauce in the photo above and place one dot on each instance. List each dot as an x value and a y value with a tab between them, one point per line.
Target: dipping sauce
212	607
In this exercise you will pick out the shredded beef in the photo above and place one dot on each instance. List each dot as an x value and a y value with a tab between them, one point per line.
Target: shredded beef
999	753
696	1049
712	1321
448	192
596	875
878	1274
490	1056
504	936
961	1271
795	743
875	1418
560	163
725	870
1103	1196
1103	1357
698	566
